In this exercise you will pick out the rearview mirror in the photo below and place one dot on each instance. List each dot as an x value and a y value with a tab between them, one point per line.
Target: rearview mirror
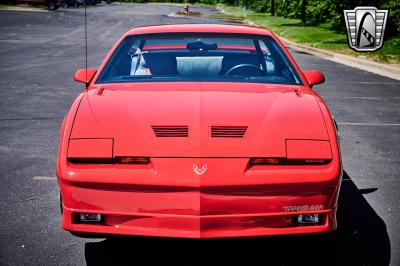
85	75
314	77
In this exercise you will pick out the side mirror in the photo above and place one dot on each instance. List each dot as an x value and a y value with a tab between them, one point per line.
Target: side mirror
85	75
314	77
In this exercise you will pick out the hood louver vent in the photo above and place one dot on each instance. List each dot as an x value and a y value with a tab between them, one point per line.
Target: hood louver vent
171	131
228	131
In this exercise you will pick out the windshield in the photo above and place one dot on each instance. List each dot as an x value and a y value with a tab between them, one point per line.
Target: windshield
199	57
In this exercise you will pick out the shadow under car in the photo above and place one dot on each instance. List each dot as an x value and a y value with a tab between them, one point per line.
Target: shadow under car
361	239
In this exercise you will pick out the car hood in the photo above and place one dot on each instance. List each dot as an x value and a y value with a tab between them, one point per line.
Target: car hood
256	119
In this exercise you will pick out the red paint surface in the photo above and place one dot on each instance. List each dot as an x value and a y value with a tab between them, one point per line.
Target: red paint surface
166	197
308	149
183	46
84	75
314	77
90	148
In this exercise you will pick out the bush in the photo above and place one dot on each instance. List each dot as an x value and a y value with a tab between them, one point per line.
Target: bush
393	25
323	11
318	11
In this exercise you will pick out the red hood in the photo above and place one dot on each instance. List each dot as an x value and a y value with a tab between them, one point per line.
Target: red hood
126	113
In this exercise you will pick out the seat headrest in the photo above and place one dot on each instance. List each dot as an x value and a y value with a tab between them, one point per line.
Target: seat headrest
161	64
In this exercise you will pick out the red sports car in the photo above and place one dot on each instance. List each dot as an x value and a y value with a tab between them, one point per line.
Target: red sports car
199	131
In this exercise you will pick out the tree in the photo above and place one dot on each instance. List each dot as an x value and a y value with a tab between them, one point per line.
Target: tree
303	11
272	7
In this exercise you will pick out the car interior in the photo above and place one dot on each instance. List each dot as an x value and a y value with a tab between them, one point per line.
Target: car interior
200	58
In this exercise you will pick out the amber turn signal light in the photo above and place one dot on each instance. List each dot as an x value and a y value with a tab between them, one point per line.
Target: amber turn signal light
132	160
265	161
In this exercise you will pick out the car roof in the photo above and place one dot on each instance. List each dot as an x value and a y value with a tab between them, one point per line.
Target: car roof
207	28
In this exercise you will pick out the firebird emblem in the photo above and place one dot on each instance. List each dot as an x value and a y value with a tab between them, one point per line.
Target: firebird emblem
199	171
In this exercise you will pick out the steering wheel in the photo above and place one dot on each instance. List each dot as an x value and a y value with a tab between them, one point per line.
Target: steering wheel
250	66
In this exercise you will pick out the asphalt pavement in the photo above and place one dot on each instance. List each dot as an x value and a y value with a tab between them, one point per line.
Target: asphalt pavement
39	53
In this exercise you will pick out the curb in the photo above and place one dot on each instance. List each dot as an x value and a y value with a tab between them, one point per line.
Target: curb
24	9
389	71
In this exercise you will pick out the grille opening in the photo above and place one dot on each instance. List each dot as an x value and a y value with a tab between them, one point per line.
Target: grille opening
171	131
228	131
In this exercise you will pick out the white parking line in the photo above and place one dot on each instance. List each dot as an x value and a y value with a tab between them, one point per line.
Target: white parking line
364	98
44	178
371	98
376	83
368	124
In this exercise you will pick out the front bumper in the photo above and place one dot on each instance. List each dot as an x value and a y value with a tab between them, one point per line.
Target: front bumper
188	226
230	203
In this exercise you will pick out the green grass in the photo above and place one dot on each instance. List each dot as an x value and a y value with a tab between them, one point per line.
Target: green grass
320	36
22	7
5	7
